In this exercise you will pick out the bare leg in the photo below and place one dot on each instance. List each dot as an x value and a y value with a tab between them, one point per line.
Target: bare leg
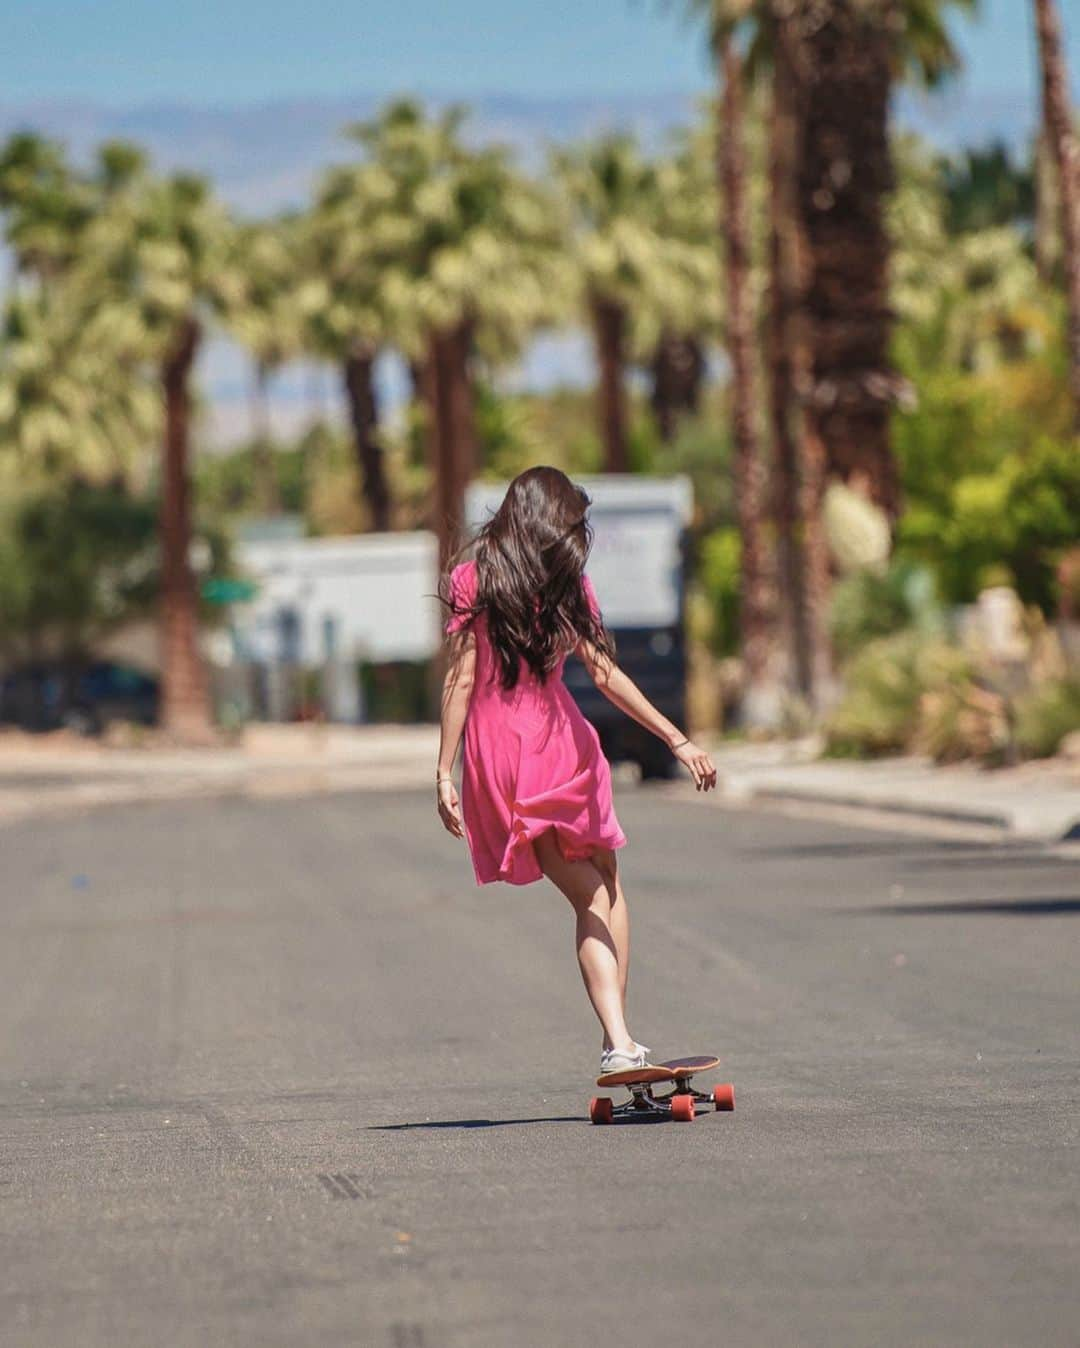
592	898
618	918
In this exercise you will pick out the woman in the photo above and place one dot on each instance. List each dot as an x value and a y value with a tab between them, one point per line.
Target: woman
536	788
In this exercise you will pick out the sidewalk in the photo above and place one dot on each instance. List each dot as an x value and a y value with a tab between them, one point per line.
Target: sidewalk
1036	801
59	773
51	774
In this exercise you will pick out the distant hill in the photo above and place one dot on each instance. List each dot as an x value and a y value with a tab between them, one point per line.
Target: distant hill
264	156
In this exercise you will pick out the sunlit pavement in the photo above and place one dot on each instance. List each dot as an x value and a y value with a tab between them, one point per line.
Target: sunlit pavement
277	1072
53	775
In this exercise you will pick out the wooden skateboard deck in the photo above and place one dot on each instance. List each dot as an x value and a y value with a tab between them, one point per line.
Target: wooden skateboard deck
644	1103
675	1069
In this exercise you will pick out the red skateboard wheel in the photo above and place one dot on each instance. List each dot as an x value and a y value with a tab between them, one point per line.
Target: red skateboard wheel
724	1096
682	1108
600	1109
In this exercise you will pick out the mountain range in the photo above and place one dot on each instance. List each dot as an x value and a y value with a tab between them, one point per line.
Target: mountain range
265	156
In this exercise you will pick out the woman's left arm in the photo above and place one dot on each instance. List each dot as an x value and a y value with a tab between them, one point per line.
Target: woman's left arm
621	690
456	693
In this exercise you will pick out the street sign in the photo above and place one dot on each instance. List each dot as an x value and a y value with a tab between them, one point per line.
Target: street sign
228	590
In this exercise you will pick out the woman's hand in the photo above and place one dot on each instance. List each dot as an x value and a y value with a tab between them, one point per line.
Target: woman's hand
701	766
449	807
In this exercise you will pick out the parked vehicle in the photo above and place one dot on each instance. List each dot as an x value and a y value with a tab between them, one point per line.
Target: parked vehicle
85	699
638	568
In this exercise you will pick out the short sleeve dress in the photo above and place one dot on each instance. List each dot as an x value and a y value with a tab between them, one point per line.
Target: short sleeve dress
531	761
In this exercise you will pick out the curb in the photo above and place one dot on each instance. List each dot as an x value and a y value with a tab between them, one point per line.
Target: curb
1004	821
985	819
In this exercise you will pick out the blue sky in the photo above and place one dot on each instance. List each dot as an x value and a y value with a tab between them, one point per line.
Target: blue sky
241	51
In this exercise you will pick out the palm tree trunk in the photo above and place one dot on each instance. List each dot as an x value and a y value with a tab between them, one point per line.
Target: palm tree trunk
800	452
451	428
359	375
677	368
417	375
663	398
316	395
185	700
1047	231
1065	146
785	352
609	332
845	172
756	586
267	497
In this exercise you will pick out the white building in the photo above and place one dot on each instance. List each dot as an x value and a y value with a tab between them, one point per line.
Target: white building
368	597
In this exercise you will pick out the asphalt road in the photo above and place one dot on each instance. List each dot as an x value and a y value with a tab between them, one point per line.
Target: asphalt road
278	1073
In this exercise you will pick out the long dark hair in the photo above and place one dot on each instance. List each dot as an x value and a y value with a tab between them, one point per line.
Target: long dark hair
530	557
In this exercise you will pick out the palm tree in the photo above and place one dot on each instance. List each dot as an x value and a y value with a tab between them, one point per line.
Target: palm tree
143	261
969	301
72	401
1047	231
157	255
613	191
798	469
349	320
673	325
797	466
844	58
71	396
463	252
756	592
986	189
268	320
1060	131
45	205
844	175
837	61
831	389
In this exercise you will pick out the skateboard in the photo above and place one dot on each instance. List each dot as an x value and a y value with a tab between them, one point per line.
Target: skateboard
678	1103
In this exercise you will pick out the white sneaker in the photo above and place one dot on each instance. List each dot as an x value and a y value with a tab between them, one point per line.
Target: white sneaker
611	1061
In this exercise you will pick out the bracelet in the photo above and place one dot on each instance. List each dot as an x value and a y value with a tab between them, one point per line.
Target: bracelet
439	779
680	744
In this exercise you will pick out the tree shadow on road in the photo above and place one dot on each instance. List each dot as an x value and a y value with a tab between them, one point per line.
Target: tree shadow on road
916	853
996	858
1034	907
876	847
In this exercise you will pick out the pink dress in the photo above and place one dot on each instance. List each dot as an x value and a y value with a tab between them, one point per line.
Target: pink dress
531	762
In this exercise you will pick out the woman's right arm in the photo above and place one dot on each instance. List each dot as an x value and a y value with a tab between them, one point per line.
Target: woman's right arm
456	693
620	689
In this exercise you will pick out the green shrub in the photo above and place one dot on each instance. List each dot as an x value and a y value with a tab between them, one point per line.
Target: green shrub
964	721
1021	515
718	575
77	561
886	681
871	604
507	434
702	450
1046	715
